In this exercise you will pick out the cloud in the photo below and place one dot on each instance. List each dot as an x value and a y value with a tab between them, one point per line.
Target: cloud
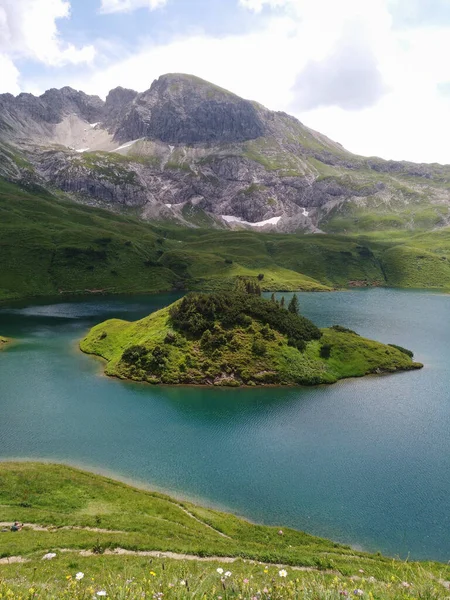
420	13
228	61
444	88
9	81
28	29
258	5
115	6
348	78
351	42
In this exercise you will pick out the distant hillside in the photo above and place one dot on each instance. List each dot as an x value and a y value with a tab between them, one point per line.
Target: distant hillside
186	151
51	246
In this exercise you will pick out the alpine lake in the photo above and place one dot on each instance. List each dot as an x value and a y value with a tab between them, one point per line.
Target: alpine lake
364	462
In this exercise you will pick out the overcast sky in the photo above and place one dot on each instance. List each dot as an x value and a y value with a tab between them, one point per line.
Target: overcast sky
373	75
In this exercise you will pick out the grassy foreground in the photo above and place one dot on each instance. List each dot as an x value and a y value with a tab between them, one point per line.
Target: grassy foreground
88	536
233	339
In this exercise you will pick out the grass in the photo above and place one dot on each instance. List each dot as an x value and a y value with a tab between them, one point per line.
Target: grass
84	519
250	354
49	246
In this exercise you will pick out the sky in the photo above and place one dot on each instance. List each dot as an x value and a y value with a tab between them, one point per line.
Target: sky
373	75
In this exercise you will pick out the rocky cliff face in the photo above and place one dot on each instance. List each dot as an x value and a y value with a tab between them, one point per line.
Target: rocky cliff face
189	151
26	116
180	109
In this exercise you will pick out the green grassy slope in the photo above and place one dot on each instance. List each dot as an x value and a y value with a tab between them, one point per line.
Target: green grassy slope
49	246
156	350
83	519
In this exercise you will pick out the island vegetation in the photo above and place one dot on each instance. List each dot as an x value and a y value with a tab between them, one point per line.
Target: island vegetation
87	536
3	342
237	338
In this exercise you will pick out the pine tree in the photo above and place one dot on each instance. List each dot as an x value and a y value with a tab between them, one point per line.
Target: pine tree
282	302
293	305
272	298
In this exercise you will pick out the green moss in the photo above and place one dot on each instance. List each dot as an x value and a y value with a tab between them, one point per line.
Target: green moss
181	166
18	159
249	348
267	152
253	188
109	165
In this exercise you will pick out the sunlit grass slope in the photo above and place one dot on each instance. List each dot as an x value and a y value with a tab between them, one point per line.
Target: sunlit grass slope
101	537
51	246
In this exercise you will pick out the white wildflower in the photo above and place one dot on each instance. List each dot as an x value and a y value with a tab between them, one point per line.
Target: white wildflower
79	576
227	574
282	573
219	570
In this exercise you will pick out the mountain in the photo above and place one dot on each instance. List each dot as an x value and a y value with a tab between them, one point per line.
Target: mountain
189	152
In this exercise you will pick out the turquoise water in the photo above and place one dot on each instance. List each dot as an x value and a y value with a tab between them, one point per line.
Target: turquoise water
366	461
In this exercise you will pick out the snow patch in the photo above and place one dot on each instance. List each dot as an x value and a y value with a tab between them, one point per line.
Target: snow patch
127	145
168	205
171	148
94	124
305	212
231	219
82	150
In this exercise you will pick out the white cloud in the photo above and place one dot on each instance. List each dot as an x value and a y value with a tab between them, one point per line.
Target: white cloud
28	29
246	64
115	6
349	77
258	5
9	81
409	122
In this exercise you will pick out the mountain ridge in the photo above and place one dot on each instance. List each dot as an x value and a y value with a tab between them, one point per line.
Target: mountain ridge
189	152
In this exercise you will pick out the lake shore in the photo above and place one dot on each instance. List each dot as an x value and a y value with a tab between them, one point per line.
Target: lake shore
290	455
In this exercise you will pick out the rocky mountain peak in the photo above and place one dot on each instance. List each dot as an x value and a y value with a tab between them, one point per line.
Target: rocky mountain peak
186	109
67	101
117	104
27	116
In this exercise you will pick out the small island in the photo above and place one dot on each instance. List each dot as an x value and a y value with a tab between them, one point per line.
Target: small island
237	338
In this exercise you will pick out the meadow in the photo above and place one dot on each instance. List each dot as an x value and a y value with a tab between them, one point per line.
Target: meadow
51	246
87	536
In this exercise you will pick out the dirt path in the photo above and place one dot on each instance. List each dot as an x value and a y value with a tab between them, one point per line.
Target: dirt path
171	556
53	528
185	510
9	560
